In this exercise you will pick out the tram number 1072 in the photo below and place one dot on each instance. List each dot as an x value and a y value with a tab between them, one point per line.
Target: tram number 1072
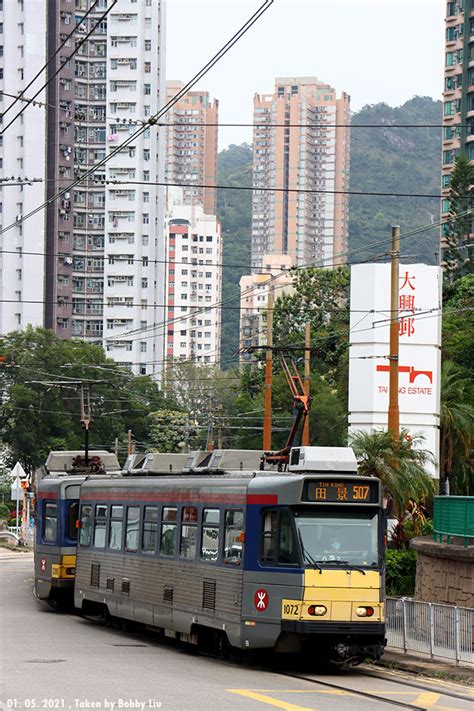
290	609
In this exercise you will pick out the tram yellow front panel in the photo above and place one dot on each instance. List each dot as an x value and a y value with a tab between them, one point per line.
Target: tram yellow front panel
337	595
66	569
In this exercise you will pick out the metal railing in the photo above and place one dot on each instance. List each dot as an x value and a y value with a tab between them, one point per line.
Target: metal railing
453	516
444	632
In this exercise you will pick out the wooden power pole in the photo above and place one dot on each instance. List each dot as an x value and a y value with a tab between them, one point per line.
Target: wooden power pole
267	417
393	409
305	439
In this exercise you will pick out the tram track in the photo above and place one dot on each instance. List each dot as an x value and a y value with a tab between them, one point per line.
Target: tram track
407	683
353	692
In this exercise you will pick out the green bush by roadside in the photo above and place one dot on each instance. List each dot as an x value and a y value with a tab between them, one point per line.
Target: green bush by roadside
400	572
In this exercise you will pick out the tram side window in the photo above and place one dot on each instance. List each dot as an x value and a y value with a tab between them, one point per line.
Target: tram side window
150	527
269	538
86	525
233	538
168	531
72	514
116	528
100	525
278	546
187	548
210	534
50	522
132	528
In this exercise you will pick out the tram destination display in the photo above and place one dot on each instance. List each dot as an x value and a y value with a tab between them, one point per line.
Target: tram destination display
345	491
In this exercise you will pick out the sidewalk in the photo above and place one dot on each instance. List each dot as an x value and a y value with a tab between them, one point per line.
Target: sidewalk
426	667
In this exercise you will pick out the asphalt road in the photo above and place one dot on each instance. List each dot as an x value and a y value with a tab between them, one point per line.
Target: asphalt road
51	660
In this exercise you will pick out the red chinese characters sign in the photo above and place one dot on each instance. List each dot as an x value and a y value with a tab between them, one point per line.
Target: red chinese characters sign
406	305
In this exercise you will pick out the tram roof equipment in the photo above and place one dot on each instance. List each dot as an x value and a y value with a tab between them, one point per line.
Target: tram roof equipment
323	459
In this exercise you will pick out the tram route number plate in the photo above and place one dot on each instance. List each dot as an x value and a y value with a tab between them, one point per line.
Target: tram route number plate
342	491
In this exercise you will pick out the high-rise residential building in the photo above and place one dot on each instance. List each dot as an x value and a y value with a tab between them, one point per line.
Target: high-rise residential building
22	153
194	283
103	271
134	213
191	155
458	94
300	142
254	291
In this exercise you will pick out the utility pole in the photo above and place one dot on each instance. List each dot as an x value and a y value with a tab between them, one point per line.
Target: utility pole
305	439
267	417
86	419
129	442
393	409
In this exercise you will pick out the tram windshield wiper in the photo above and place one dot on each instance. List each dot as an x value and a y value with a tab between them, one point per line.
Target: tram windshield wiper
307	557
345	563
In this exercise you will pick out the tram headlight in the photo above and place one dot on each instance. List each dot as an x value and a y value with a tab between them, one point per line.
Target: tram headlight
364	611
317	610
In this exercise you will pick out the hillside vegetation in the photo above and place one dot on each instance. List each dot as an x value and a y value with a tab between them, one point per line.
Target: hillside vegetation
405	160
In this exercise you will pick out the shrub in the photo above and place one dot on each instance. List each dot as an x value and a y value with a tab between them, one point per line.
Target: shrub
400	572
4	511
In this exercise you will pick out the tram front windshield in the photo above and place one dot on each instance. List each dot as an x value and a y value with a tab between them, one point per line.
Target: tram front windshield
332	539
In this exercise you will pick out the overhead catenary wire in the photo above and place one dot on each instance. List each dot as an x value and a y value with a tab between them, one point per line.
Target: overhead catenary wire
61	64
317	263
21	95
152	120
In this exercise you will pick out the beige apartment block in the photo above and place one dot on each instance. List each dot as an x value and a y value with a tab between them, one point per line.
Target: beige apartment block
254	291
300	168
191	155
458	95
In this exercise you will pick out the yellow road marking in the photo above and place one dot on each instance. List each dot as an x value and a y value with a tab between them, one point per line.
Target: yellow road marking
426	700
268	700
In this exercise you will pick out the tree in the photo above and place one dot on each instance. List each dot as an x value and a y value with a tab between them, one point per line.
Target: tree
457	255
458	324
400	465
41	400
170	431
321	296
457	431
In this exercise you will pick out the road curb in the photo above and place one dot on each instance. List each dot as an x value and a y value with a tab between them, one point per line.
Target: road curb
426	667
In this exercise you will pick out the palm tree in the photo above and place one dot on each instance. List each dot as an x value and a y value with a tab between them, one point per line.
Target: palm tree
457	431
400	465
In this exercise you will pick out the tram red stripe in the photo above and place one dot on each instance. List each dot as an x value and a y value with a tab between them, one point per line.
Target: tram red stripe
48	495
166	497
262	498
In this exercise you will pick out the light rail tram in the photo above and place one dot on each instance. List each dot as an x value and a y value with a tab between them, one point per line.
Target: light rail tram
214	551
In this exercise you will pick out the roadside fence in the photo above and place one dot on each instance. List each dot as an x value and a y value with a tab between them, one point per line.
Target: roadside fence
443	632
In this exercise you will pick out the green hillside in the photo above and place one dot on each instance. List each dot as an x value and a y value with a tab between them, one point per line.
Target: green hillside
403	160
382	159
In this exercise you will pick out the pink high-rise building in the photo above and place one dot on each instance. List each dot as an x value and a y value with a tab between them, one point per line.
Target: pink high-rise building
191	155
300	141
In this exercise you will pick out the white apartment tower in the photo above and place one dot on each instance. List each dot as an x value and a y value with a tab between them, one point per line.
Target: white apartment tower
194	285
134	207
22	153
104	242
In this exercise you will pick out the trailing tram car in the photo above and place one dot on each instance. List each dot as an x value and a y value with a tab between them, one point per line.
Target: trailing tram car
290	561
57	513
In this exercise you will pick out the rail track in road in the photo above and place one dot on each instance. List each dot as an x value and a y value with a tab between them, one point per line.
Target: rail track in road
427	699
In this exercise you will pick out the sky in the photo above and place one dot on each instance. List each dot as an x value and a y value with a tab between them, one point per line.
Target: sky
375	50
